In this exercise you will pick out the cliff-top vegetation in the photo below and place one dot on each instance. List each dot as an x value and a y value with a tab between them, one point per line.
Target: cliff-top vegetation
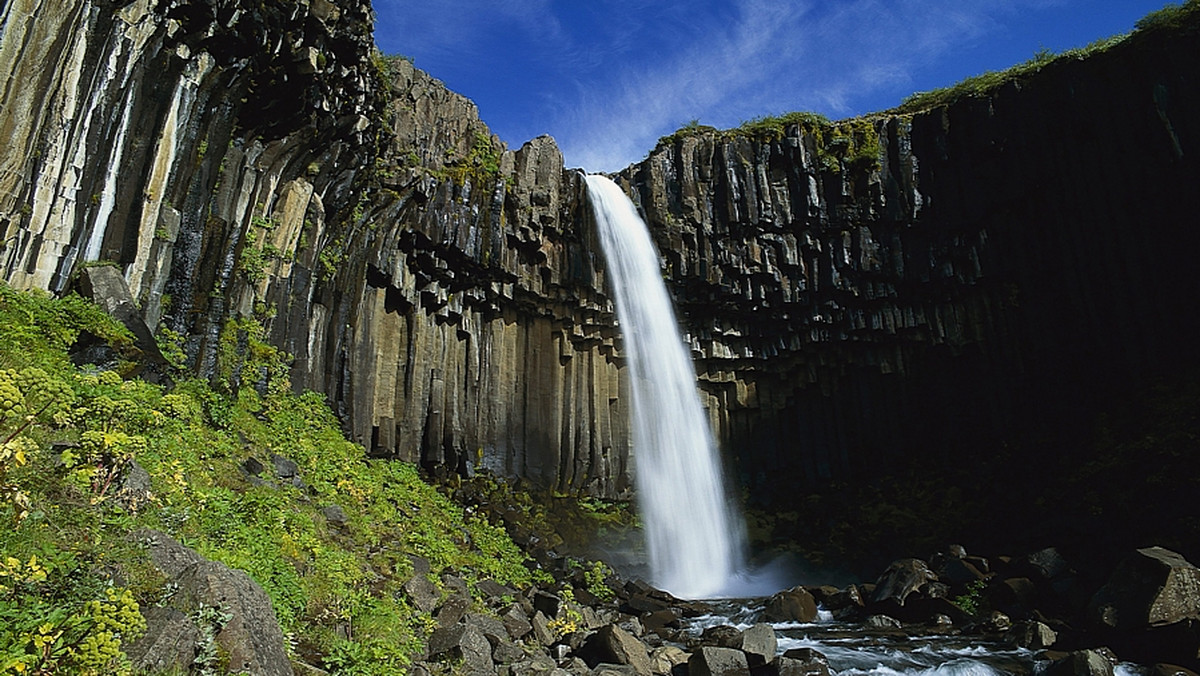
863	139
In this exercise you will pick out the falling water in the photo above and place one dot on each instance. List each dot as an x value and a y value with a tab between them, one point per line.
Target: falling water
695	544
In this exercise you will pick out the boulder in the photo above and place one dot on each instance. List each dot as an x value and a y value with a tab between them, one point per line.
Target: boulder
792	605
423	593
169	643
613	645
1014	595
722	636
1081	663
250	635
1152	587
463	642
662	619
713	661
849	598
516	622
452	610
1044	564
664	660
1031	634
335	515
106	286
494	592
548	604
801	662
901	580
542	632
759	644
614	670
491	628
882	622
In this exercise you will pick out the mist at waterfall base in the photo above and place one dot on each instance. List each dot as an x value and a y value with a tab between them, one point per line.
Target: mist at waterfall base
695	538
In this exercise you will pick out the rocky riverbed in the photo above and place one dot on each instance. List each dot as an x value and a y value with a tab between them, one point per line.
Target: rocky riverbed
954	613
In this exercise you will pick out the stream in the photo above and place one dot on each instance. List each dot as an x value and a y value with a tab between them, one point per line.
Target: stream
855	650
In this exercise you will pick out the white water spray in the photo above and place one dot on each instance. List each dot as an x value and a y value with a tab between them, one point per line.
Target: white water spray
696	545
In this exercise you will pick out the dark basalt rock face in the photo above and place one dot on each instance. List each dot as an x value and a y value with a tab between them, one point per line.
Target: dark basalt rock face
971	292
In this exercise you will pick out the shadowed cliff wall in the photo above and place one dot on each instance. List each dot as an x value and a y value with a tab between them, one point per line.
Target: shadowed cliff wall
1003	268
1018	263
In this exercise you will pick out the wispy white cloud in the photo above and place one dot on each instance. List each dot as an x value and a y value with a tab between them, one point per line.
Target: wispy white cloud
777	57
608	79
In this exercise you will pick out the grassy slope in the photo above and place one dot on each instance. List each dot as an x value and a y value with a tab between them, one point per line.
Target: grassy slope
69	434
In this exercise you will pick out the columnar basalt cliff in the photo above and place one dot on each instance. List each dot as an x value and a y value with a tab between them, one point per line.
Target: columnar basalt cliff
1015	264
950	284
259	174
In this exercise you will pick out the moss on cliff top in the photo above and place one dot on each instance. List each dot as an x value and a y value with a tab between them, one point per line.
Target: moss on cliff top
1174	17
851	144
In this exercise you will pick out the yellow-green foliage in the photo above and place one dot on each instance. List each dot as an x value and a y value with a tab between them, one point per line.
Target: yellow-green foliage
57	608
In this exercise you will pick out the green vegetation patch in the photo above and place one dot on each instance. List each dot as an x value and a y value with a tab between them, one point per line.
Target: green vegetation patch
71	433
851	145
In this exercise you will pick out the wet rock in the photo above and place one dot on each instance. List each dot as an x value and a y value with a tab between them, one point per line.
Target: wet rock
759	644
882	622
844	600
792	605
662	619
802	662
713	661
997	622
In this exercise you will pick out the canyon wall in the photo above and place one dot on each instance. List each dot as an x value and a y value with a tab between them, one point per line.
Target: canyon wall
264	178
1015	264
986	277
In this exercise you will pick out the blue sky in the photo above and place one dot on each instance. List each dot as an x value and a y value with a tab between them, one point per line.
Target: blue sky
607	78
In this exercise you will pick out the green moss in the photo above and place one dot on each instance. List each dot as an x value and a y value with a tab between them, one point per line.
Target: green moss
192	440
851	145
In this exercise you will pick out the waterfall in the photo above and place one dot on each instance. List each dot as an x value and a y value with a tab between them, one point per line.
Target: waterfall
695	543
